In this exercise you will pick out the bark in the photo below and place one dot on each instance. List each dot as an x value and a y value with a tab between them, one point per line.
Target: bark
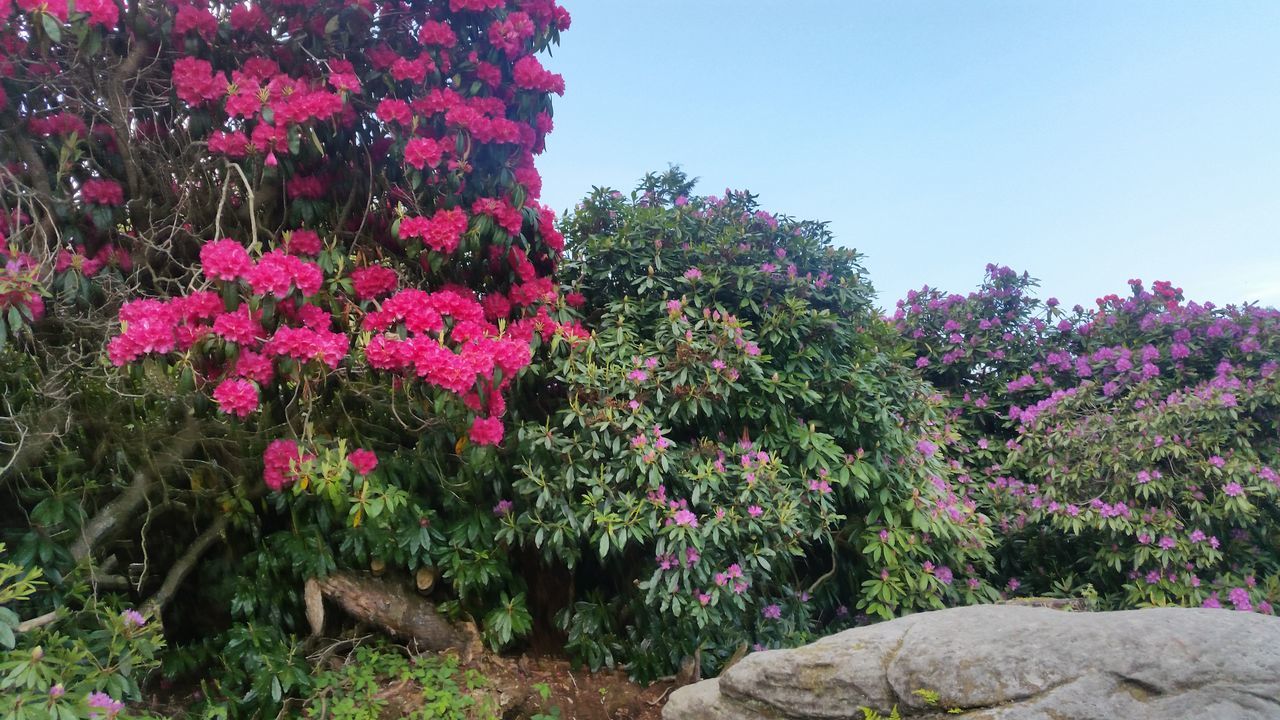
397	609
112	517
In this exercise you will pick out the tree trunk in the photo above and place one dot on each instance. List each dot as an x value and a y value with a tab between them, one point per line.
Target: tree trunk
396	608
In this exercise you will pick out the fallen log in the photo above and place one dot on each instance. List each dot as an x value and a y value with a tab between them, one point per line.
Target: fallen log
395	607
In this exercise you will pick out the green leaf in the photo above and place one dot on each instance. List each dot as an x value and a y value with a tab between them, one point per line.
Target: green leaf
51	26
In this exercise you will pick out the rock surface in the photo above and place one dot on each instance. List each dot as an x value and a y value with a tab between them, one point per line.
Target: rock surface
1001	662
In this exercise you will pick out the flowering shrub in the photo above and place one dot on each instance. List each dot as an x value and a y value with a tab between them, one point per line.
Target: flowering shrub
740	458
83	665
1132	447
315	228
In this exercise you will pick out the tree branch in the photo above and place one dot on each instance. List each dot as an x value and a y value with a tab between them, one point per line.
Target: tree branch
184	565
37	622
110	518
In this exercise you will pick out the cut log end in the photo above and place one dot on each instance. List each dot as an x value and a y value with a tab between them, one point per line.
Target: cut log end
425	579
393	607
314	601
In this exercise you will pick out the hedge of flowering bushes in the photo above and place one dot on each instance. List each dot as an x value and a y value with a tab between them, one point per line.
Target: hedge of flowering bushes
1129	451
278	297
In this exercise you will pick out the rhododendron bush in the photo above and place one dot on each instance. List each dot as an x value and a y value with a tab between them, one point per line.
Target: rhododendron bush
308	230
742	459
1133	448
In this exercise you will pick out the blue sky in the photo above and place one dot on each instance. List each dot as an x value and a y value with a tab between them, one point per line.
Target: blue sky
1085	141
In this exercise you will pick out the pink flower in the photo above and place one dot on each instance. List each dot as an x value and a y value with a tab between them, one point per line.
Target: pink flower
693	273
303	344
772	612
437	33
510	33
277	273
441	232
423	152
486	431
755	511
373	281
101	12
239	326
225	259
686	518
364	461
281	462
926	448
303	242
255	366
530	75
392	110
100	702
503	507
236	397
507	216
195	82
1233	489
102	192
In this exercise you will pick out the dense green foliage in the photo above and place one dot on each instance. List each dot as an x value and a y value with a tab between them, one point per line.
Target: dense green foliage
740	455
65	670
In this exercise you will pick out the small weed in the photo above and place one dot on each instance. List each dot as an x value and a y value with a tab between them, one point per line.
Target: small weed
354	691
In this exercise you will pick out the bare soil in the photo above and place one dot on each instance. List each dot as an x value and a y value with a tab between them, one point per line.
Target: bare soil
578	694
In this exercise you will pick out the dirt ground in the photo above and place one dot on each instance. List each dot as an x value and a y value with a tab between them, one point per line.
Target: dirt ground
578	694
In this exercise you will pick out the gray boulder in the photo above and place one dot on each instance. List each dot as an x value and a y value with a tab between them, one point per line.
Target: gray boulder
1003	662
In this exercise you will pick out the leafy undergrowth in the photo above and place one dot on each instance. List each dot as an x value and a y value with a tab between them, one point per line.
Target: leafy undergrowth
383	681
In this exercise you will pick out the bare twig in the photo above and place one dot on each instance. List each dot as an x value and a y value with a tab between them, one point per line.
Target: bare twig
37	622
253	211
